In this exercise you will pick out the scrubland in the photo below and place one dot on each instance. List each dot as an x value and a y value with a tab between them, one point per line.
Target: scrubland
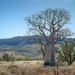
34	68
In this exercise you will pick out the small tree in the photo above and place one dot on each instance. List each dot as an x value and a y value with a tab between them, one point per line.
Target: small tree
67	53
7	57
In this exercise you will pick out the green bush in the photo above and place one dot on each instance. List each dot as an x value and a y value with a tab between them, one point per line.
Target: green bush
67	53
30	58
8	57
19	59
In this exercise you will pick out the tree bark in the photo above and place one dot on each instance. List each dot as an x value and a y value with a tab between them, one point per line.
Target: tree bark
47	56
49	59
52	60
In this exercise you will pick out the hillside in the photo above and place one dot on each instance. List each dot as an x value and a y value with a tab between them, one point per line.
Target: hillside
24	40
23	45
17	41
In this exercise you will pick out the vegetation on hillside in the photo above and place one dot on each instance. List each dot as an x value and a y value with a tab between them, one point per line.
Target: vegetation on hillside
25	50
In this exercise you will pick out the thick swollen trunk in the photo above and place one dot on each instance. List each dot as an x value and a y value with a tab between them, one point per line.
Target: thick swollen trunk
49	55
52	60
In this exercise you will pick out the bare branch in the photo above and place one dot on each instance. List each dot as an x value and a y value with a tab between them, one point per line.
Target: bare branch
49	22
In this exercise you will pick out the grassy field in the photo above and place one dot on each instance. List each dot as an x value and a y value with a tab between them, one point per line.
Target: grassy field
33	68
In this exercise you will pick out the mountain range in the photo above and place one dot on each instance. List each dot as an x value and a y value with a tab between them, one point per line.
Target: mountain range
24	40
24	45
17	41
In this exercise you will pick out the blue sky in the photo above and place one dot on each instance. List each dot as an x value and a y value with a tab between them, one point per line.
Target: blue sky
12	13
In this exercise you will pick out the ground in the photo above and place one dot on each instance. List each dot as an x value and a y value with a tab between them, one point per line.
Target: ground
33	68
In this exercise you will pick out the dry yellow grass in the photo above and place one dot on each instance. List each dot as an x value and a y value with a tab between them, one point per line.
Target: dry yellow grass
33	68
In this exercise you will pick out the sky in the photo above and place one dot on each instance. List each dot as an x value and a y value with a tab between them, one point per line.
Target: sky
13	12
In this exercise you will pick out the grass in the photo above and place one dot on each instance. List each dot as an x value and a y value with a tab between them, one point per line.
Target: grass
33	68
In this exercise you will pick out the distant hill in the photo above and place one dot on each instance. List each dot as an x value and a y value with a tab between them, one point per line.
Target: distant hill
19	40
24	45
24	40
21	45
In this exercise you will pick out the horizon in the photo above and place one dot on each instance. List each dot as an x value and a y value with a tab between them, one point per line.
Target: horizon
13	12
27	36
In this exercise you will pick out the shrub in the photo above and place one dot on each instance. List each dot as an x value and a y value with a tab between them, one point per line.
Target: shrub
8	57
67	53
19	59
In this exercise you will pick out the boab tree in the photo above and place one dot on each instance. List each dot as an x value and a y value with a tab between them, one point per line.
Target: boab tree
48	24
